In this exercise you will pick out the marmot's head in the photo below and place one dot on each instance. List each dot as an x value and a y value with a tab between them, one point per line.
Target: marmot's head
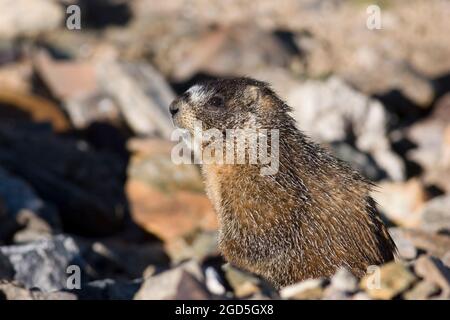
230	103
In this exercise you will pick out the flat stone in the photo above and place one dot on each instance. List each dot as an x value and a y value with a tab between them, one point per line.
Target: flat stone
436	214
168	284
433	270
243	283
43	264
343	280
421	291
406	248
388	281
401	202
307	289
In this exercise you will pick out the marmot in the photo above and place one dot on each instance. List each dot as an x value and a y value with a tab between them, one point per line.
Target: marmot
310	218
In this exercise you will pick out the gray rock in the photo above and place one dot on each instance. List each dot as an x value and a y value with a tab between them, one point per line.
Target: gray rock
42	264
358	160
142	94
307	289
434	244
28	18
436	214
422	290
406	248
184	281
433	270
388	281
446	259
213	282
243	283
24	210
14	291
6	268
344	280
326	110
109	289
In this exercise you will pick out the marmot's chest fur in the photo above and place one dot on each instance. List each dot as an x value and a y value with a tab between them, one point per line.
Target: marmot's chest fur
311	218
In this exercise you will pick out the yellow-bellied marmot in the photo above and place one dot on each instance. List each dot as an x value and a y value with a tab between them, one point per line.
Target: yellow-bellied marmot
310	218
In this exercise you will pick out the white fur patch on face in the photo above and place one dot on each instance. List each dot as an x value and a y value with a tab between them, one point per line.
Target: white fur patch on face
198	93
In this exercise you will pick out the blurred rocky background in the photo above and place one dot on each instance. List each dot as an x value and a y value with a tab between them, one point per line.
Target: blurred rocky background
86	178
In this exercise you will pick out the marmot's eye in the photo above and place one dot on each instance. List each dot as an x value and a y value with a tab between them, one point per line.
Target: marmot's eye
216	101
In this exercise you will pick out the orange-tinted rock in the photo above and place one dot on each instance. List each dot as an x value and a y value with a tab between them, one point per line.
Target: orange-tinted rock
169	215
402	202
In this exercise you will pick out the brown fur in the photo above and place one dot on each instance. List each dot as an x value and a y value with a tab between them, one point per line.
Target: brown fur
312	217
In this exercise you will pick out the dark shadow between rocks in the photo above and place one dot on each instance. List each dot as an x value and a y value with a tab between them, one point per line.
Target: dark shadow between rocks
99	14
404	112
402	147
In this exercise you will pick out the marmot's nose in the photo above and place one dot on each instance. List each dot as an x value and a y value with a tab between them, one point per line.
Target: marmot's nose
173	108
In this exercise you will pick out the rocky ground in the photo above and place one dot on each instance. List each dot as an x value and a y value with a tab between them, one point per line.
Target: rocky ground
87	185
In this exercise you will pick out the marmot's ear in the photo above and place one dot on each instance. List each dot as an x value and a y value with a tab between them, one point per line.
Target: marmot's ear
251	94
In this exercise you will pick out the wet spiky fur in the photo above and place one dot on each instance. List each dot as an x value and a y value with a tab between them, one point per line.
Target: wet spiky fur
312	217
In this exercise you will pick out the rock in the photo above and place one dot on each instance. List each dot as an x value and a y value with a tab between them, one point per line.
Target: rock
433	270
87	110
255	47
172	215
38	108
196	246
66	79
307	289
361	296
28	18
446	259
243	283
406	249
156	168
18	194
213	282
436	214
84	184
435	244
194	55
344	280
342	285
25	211
388	281
182	282
115	258
58	295
401	202
432	151
34	227
109	289
6	268
42	264
421	291
190	288
16	76
360	161
326	111
142	94
14	291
